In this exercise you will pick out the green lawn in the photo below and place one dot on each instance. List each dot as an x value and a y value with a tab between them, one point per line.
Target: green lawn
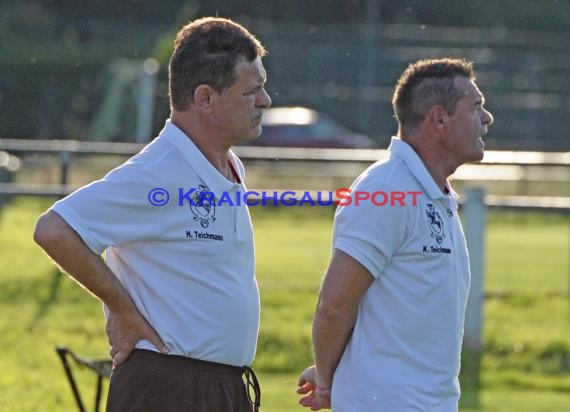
526	364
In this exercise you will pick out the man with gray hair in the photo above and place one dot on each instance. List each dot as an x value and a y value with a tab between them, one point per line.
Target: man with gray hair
388	326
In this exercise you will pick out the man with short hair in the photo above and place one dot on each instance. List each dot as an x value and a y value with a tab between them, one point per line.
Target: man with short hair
178	281
388	326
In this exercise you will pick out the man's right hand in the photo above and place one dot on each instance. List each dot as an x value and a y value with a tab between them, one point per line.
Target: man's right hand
127	327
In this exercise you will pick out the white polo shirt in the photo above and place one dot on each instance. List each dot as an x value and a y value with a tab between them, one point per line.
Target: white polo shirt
404	354
188	266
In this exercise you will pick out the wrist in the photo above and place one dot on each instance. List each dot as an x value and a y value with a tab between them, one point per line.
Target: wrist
323	385
124	306
323	378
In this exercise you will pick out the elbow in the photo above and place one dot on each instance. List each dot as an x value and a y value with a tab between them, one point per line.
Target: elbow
47	230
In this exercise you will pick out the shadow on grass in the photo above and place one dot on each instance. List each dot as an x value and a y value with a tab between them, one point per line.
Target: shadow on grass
44	304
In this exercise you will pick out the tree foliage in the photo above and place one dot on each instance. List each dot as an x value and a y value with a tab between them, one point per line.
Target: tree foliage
53	51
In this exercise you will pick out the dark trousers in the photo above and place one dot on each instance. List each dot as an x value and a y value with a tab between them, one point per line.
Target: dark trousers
151	381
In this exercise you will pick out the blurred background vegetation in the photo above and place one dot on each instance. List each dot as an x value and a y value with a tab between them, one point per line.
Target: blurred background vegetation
68	68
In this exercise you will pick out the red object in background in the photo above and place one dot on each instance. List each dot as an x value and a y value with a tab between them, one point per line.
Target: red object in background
304	127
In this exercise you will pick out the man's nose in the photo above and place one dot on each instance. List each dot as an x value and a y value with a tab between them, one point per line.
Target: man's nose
264	99
487	118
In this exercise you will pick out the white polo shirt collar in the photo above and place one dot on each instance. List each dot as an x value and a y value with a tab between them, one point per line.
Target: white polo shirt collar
415	164
211	176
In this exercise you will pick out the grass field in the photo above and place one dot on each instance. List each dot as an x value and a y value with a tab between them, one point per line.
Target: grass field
526	363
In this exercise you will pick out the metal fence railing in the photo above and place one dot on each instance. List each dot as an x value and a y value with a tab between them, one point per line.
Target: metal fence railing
67	150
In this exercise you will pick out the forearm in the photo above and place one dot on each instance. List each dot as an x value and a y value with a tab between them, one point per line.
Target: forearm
345	283
125	324
69	251
332	329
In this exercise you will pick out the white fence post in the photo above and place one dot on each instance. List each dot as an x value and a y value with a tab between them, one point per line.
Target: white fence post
475	217
145	101
475	221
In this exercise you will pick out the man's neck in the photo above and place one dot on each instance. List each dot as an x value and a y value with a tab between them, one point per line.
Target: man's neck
433	159
215	151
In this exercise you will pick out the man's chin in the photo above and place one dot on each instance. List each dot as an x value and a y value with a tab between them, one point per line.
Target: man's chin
481	150
248	139
254	136
477	157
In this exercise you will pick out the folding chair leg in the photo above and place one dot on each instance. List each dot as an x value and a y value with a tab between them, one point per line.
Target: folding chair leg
98	394
62	354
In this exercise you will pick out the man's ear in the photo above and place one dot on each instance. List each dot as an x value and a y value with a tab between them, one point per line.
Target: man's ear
203	97
437	117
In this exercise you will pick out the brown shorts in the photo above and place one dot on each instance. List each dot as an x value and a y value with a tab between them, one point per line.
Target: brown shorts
151	381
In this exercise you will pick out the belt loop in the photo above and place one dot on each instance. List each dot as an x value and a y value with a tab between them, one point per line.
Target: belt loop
252	384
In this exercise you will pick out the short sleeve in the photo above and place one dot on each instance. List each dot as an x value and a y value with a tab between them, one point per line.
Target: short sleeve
114	210
371	232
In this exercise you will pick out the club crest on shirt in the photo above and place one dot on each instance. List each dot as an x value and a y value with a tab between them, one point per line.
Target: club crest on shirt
435	223
203	207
